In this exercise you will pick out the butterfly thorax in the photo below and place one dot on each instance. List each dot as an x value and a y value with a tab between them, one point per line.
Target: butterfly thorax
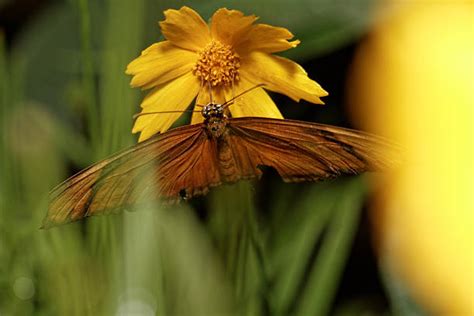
215	119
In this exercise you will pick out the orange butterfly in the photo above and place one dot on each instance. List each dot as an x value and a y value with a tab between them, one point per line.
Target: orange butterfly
186	161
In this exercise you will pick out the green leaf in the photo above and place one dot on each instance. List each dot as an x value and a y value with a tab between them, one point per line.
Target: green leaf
304	275
326	271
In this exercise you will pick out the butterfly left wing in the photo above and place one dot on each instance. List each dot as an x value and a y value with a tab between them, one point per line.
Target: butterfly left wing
159	168
302	151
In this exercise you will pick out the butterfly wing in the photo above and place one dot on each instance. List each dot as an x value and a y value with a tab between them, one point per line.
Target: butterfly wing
161	167
186	161
302	151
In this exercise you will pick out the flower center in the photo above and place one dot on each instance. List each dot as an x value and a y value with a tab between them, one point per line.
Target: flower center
217	64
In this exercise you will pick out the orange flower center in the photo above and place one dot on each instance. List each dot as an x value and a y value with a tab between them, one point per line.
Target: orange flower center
217	64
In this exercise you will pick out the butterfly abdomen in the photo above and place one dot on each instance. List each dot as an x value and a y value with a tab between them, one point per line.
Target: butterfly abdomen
228	167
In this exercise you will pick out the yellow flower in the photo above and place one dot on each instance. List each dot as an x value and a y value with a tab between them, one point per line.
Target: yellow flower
231	54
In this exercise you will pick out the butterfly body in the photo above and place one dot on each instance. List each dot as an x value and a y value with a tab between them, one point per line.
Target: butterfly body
187	161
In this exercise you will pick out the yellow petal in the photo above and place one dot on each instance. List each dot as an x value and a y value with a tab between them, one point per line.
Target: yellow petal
173	96
281	75
218	96
254	103
197	118
228	26
266	38
185	28
160	63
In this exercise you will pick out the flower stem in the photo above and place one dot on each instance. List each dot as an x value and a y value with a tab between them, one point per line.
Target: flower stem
88	81
234	226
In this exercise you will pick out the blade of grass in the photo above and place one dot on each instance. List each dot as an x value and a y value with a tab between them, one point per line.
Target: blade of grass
295	235
123	36
233	225
3	112
325	274
194	280
88	72
5	255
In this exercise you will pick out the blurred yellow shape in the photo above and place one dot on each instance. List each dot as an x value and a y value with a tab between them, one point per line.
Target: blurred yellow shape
413	80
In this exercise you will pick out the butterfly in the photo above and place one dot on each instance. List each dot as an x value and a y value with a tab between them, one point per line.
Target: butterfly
187	161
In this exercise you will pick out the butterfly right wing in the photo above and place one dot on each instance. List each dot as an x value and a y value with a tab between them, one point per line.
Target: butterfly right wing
303	151
165	167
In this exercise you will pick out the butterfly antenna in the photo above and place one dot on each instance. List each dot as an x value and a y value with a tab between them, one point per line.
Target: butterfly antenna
227	103
162	112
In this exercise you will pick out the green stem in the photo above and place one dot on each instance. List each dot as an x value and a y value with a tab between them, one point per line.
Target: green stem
326	272
4	84
88	81
234	226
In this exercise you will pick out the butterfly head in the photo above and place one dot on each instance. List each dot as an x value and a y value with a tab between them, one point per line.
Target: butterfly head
213	110
214	119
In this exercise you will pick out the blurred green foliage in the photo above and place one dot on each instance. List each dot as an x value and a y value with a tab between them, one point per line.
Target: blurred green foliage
66	102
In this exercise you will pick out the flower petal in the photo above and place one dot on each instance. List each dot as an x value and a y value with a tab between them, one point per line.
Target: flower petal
197	118
228	26
253	103
160	63
173	96
185	28
281	75
266	38
218	96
